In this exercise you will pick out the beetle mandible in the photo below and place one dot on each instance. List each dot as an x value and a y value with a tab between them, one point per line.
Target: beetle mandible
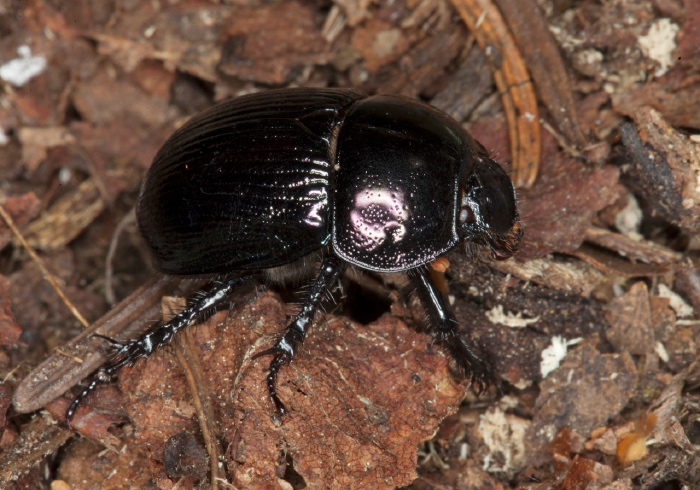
263	181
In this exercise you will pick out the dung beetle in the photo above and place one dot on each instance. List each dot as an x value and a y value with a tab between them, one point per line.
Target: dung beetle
271	183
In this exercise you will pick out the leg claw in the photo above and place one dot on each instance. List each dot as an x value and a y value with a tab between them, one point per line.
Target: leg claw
281	357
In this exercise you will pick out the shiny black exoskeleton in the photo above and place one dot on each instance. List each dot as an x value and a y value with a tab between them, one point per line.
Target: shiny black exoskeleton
262	181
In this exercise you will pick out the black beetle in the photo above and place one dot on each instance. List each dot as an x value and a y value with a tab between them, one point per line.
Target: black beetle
263	181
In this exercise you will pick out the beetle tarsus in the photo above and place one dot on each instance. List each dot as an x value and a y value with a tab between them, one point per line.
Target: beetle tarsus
288	344
280	359
445	329
115	343
477	369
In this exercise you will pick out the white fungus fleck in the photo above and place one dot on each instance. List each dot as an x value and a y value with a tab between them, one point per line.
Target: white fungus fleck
20	70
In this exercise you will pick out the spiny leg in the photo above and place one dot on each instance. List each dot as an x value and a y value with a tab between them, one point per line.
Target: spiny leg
444	327
285	348
198	309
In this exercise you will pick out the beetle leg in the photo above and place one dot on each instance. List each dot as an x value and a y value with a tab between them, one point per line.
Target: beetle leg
444	327
199	307
285	348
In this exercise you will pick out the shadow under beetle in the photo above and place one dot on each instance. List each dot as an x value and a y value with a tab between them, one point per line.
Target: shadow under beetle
262	181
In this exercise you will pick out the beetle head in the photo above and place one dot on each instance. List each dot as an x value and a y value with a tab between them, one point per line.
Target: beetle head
487	212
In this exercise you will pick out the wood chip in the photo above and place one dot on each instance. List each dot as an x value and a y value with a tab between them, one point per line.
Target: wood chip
66	218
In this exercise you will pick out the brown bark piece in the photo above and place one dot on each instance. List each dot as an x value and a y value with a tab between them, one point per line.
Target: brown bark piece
361	399
356	10
521	365
669	464
559	273
22	209
663	318
603	440
259	42
583	393
37	141
126	53
426	62
629	317
682	348
671	102
666	167
96	417
635	250
39	438
557	211
66	219
9	328
513	322
615	265
379	42
5	401
92	100
469	85
183	456
37	307
668	429
688	284
114	143
87	464
468	474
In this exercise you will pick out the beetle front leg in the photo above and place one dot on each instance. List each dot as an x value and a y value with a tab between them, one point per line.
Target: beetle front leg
285	348
444	327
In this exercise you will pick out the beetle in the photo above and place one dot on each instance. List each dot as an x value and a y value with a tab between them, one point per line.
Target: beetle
266	181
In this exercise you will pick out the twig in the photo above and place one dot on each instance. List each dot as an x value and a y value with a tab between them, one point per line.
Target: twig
187	357
128	219
44	271
513	82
